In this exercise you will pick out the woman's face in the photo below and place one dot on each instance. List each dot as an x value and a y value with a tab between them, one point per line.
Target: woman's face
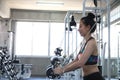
83	29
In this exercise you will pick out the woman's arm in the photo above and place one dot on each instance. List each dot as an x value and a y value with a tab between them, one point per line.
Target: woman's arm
61	70
78	62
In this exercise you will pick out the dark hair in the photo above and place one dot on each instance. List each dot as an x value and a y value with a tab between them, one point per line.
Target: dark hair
89	20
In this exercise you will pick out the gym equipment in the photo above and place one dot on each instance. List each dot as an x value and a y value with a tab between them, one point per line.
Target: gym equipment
95	2
58	51
7	65
118	58
50	74
71	23
71	45
24	71
55	62
12	69
102	11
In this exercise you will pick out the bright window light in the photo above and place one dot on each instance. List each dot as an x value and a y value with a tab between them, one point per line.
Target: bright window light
42	38
31	39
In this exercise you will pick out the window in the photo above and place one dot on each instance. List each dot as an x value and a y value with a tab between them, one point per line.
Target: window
31	38
57	31
23	38
114	14
115	29
42	38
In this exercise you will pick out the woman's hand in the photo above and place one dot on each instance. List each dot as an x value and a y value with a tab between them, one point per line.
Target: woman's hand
58	70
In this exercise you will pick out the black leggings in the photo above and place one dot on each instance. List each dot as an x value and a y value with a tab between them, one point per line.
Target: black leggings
94	76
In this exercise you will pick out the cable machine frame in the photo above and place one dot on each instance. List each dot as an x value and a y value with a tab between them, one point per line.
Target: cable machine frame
108	25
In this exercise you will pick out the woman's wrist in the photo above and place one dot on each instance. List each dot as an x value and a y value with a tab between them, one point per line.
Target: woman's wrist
63	71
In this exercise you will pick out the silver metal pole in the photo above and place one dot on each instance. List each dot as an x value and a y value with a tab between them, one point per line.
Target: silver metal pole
76	40
109	52
68	35
10	45
99	42
10	40
103	59
72	42
118	62
49	39
103	47
66	22
65	38
83	7
94	8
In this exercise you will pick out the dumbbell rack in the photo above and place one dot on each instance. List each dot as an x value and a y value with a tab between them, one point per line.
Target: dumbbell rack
7	66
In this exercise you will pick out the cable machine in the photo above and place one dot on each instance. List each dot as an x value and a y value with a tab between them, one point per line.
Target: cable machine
101	11
69	22
118	61
70	26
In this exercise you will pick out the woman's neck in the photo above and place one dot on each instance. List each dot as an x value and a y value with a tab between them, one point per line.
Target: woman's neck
87	37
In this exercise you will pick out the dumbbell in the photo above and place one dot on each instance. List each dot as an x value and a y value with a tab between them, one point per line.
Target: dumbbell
4	56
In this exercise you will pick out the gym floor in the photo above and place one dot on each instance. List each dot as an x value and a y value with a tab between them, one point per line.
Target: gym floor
54	79
39	78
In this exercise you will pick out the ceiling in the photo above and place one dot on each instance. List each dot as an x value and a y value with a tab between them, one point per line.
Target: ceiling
67	4
31	4
6	5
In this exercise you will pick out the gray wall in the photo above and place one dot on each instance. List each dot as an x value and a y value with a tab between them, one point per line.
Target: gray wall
38	15
113	67
39	64
3	32
4	9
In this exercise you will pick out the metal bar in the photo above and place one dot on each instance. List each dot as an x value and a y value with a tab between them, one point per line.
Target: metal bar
49	39
10	42
103	59
83	7
103	47
74	11
76	40
118	61
68	35
109	56
94	8
108	25
65	38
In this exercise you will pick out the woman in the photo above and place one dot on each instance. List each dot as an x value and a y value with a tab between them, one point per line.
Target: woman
88	55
